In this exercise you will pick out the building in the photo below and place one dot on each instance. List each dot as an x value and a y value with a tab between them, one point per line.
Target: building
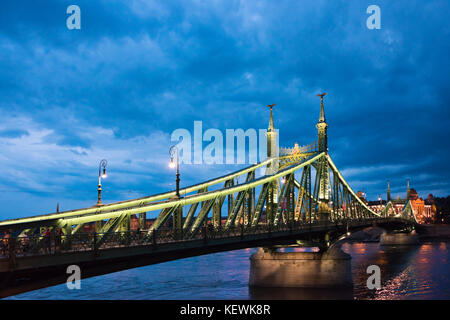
425	210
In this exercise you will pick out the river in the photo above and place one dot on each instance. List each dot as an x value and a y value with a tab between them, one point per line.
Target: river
407	272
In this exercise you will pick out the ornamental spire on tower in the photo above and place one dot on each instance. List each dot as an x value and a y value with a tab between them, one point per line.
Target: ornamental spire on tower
407	191
272	142
271	126
322	127
388	192
322	110
272	168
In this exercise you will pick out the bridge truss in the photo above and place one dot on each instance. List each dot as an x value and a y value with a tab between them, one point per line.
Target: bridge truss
293	194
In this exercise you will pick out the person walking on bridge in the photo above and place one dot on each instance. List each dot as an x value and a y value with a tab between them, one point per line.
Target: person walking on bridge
58	237
5	243
47	241
25	243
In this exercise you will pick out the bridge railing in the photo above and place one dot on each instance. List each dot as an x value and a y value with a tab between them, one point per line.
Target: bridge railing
37	245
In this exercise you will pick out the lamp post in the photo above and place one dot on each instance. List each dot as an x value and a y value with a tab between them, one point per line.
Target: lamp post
173	150
101	174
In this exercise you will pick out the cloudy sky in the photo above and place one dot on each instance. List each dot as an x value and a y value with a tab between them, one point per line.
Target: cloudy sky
137	70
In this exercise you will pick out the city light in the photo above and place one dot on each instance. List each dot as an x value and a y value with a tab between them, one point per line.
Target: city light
101	174
104	175
174	150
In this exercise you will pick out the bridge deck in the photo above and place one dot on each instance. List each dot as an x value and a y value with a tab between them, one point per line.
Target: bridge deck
21	273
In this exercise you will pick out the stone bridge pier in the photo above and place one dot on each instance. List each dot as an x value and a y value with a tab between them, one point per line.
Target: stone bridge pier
328	269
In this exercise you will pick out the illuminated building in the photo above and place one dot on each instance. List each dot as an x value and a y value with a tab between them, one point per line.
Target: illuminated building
425	210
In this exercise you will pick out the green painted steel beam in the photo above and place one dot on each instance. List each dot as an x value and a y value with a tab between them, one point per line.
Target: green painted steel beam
202	215
52	217
162	217
236	208
190	217
341	178
260	205
190	199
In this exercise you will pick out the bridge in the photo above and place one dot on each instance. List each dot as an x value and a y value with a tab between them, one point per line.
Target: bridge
301	199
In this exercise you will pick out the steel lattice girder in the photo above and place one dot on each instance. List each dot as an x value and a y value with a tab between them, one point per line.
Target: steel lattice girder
123	210
51	218
188	199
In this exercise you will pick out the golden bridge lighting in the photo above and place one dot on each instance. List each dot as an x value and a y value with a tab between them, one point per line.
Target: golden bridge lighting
101	174
172	164
174	150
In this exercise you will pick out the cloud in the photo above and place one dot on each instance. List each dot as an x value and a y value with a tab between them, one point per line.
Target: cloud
138	70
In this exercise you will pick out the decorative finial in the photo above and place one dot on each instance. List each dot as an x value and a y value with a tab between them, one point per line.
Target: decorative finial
271	126
322	111
271	106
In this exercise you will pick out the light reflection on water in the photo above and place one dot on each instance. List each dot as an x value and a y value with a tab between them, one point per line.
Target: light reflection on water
408	272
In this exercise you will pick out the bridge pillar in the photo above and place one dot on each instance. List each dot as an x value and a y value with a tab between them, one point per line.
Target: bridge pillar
217	214
142	221
98	226
392	239
330	269
324	212
177	224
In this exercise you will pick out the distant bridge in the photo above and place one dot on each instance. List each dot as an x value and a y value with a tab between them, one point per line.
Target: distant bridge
302	197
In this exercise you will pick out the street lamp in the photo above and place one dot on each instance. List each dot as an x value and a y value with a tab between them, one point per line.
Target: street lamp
101	174
172	151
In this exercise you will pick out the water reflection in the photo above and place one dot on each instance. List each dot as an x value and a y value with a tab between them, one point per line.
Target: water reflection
407	272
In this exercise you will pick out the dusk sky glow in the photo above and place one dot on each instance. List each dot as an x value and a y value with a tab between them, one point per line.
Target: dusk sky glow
138	70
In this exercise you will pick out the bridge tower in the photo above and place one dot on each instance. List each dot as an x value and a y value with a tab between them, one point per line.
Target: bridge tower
322	127
272	168
388	192
272	147
323	171
407	190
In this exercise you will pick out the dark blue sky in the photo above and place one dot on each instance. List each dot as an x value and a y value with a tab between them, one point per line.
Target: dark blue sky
137	70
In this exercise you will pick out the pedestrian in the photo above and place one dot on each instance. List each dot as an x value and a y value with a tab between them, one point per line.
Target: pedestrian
5	243
58	237
47	241
12	248
25	242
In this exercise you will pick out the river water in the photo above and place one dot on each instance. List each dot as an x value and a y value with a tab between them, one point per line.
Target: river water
407	272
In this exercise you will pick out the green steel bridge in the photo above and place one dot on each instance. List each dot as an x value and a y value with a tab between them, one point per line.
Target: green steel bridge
301	199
